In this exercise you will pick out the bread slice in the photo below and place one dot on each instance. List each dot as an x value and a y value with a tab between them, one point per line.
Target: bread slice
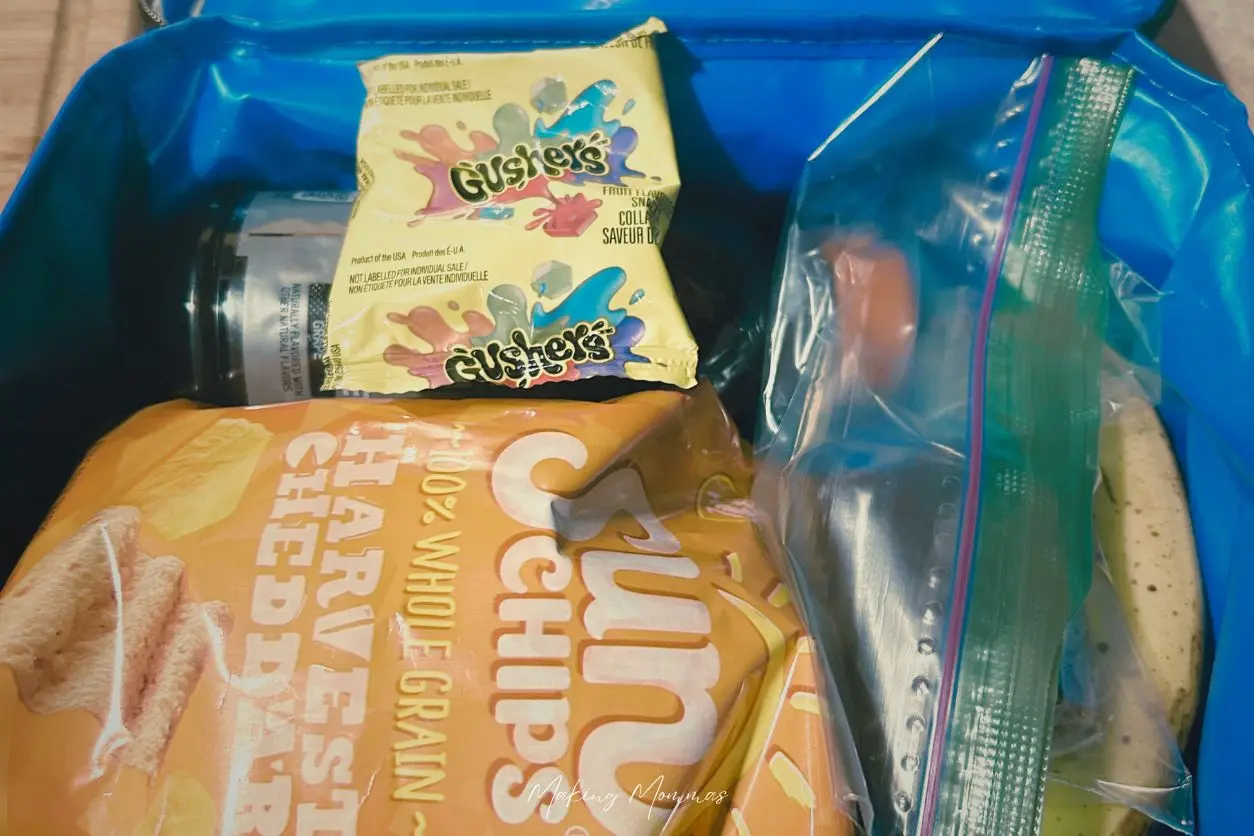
65	592
150	603
99	626
174	674
102	669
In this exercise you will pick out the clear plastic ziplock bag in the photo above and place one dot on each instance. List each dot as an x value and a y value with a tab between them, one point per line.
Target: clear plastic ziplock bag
930	419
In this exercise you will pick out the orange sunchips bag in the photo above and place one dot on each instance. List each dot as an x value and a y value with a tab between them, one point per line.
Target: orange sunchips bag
410	617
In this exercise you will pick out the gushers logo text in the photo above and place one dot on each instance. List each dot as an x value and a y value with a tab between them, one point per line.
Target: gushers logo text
522	361
478	181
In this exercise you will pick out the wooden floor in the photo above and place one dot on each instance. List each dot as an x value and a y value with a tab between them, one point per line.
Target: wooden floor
45	45
1215	37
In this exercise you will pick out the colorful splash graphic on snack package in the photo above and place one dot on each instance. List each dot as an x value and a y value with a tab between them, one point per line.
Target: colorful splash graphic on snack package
345	617
511	211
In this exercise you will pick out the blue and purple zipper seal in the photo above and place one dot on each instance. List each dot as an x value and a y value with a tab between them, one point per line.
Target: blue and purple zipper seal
970	514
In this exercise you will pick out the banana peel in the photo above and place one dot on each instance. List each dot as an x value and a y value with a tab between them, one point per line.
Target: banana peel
1142	519
1142	522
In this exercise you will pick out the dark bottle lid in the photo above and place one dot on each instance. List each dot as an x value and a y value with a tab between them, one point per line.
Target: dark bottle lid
201	243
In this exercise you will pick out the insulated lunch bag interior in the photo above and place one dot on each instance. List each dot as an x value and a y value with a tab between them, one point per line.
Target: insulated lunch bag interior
269	97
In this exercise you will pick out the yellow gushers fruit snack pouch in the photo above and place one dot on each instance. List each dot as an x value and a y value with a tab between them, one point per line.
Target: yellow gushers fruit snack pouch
507	230
416	617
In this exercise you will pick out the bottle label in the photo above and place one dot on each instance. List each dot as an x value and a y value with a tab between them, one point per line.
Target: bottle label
290	247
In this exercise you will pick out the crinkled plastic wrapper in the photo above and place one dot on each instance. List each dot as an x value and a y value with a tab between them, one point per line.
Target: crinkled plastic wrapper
414	617
508	229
